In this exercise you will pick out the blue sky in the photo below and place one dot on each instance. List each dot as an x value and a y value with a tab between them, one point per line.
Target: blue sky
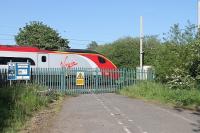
99	20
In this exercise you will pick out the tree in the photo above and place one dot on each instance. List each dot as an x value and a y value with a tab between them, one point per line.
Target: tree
174	35
42	36
190	33
92	46
193	62
179	36
123	52
151	46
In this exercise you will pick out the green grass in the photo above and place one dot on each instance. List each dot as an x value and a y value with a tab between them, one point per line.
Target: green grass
189	99
18	103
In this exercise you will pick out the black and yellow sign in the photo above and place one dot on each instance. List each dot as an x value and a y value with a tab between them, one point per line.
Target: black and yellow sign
80	78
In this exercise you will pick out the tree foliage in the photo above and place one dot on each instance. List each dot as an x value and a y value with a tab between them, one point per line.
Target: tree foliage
125	51
42	36
179	36
92	46
122	52
176	59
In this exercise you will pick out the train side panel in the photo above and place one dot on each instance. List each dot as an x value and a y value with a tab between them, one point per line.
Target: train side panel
70	61
7	56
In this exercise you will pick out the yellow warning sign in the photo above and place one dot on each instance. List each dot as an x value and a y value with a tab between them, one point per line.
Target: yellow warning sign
80	78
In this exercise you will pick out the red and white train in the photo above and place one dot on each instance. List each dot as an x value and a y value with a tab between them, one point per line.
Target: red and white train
72	58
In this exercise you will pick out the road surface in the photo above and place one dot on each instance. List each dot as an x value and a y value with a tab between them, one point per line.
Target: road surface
111	113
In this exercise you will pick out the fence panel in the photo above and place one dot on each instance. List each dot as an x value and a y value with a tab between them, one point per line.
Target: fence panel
102	80
3	78
92	80
53	78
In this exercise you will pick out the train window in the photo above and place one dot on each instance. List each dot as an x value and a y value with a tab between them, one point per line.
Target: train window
101	60
44	59
5	60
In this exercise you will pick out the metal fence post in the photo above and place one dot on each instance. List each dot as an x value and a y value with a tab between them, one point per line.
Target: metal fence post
96	84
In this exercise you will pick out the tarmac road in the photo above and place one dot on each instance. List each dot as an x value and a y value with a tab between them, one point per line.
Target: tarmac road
111	113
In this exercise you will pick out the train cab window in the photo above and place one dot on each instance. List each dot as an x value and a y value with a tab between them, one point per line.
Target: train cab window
5	60
101	60
44	59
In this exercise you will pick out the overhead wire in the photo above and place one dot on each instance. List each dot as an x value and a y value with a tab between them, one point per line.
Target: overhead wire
71	39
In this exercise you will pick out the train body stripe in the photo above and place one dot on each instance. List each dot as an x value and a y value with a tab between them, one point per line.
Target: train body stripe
91	55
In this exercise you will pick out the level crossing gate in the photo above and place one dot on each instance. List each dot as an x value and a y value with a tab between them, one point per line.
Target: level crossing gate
82	80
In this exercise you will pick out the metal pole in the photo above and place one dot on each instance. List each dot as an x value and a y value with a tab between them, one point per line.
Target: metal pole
198	18
198	14
26	79
141	42
10	80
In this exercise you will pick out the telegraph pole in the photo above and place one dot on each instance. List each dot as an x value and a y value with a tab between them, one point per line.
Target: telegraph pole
141	42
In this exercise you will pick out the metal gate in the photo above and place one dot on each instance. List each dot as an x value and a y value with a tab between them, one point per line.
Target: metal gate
92	80
82	80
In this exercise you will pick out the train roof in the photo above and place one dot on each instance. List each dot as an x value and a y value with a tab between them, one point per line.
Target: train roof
19	48
81	51
35	49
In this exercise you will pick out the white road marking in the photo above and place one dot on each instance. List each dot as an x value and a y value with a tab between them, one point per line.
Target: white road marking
98	100
126	129
105	107
120	123
117	120
101	102
111	114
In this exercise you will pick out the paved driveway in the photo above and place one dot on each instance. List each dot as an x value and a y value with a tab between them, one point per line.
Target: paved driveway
111	113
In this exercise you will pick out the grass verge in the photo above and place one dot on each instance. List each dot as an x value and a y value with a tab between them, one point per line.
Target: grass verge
189	99
18	103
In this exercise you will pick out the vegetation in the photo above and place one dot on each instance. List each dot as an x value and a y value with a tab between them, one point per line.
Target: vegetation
162	94
122	52
179	36
18	103
42	36
176	58
92	46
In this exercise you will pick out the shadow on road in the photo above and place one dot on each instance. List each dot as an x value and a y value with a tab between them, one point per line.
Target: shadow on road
197	124
178	109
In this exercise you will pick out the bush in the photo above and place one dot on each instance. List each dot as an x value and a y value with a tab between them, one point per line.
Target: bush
180	80
18	103
163	94
176	65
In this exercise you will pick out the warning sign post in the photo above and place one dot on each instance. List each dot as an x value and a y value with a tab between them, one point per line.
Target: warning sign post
80	79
